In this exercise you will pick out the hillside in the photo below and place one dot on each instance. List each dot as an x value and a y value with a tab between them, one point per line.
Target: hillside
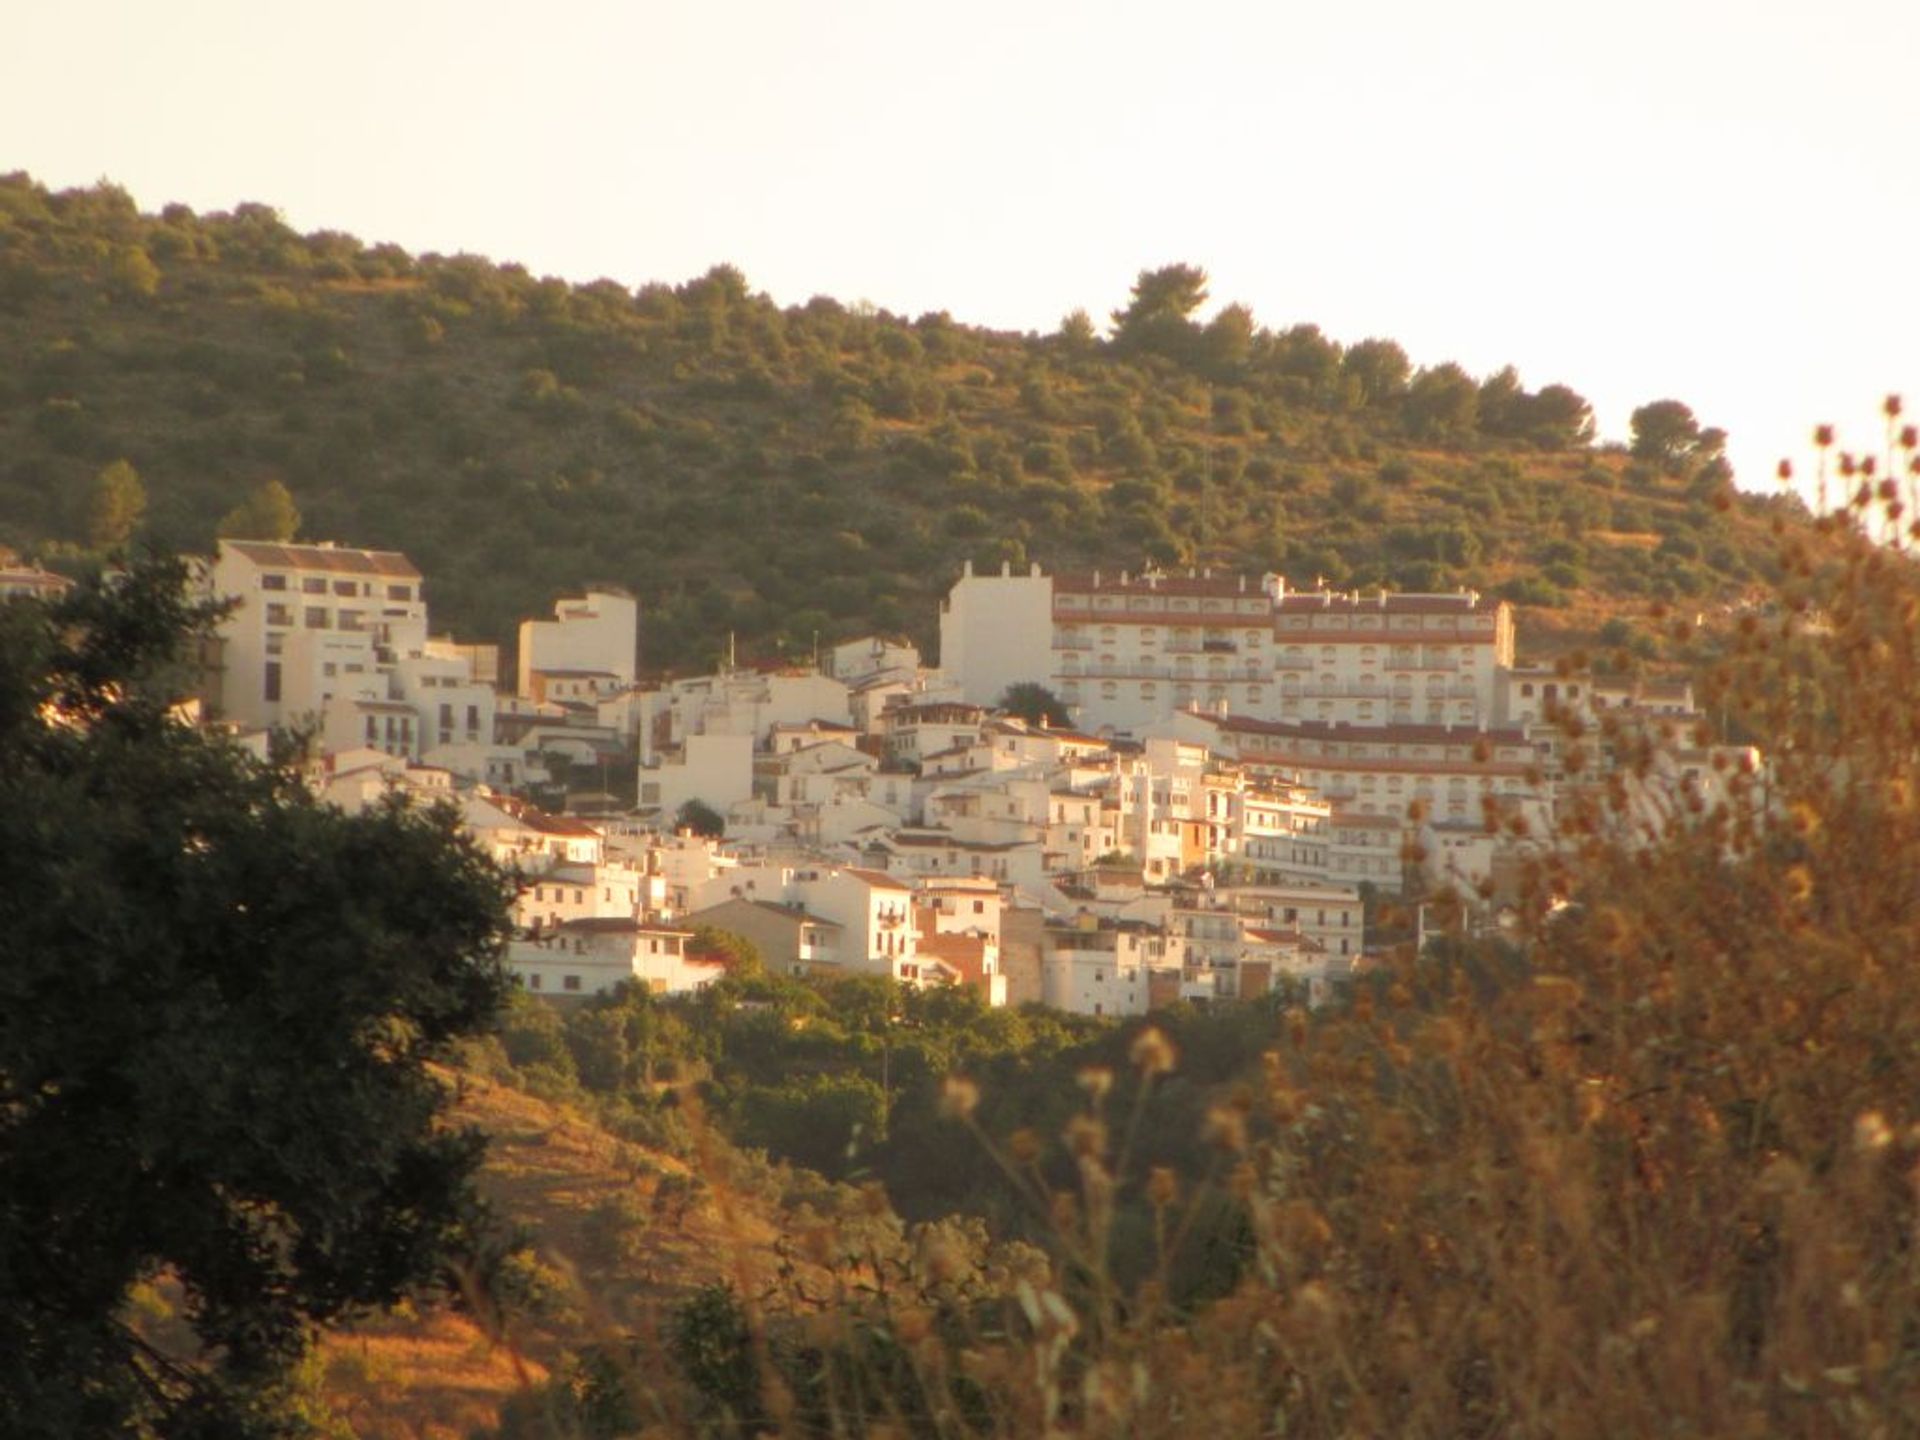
618	1236
789	474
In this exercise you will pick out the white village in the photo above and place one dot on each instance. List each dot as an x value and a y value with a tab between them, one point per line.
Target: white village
1247	775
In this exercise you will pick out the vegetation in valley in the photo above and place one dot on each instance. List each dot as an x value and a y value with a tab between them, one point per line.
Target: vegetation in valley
786	474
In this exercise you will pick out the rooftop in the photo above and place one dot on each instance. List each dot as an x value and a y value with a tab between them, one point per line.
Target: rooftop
389	563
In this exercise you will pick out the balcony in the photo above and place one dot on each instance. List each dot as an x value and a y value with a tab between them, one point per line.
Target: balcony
1119	670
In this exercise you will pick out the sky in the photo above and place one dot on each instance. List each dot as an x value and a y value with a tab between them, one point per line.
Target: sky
1645	199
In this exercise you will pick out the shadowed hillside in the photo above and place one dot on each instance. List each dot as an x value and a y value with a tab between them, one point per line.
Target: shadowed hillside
788	474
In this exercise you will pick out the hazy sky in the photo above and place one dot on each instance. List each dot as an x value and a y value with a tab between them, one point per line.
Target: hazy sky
1717	202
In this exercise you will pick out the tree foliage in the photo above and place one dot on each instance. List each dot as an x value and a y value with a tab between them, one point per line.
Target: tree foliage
268	513
1034	703
218	1000
1159	317
658	438
116	504
700	818
1665	432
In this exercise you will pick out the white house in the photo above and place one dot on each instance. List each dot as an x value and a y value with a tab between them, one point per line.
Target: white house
598	631
591	957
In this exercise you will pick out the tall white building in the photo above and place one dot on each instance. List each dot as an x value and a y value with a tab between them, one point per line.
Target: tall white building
995	631
1127	650
311	622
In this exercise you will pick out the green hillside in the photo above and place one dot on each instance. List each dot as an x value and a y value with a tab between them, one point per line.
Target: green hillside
820	470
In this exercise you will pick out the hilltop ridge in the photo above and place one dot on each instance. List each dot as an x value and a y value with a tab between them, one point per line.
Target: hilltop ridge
786	474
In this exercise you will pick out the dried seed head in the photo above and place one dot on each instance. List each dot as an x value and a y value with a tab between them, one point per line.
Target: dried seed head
959	1097
1152	1053
1162	1188
1096	1080
1226	1128
1086	1137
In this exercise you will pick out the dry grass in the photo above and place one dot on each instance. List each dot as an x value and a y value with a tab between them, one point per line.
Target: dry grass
445	1373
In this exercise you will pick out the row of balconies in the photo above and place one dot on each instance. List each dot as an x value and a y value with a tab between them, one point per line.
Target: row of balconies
1148	670
1209	646
1303	663
1256	611
1359	690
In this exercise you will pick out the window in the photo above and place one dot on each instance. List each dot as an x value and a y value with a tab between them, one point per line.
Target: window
316	617
399	592
346	587
571	982
329	669
273	582
279	615
533	980
353	620
272	686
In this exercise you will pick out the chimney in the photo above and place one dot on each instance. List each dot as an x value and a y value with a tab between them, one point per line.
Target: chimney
1006	568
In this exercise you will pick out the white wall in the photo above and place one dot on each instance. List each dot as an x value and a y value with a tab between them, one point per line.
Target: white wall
996	631
597	631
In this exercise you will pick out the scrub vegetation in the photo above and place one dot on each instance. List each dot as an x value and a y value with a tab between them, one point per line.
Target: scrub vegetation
774	473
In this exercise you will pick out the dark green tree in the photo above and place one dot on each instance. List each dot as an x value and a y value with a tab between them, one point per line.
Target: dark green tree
1302	353
701	818
1076	335
1665	432
1227	342
1502	403
1159	318
1034	703
1557	418
1379	371
218	1001
1442	404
